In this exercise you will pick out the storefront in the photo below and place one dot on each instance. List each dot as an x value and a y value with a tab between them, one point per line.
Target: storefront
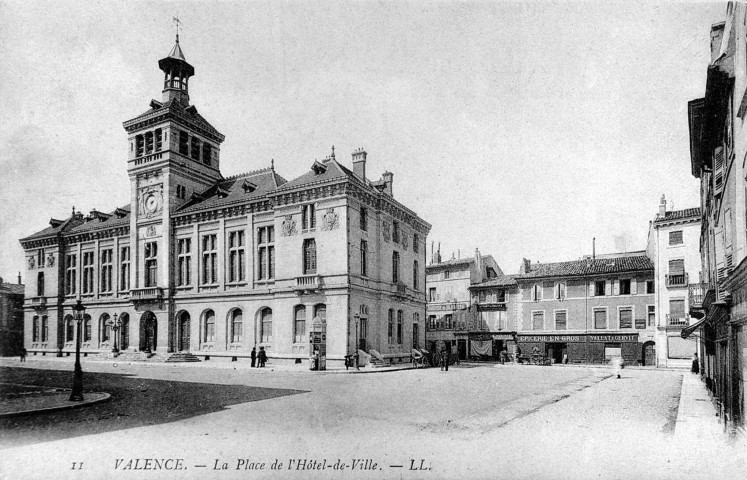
583	347
488	346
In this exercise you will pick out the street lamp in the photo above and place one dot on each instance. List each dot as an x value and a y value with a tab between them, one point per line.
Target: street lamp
77	394
357	340
115	326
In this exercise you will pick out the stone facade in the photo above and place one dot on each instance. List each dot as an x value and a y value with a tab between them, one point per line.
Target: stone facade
11	317
218	266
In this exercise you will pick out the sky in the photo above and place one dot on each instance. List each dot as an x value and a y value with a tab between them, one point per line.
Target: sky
524	129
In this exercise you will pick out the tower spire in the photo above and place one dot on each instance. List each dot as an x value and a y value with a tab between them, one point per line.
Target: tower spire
178	24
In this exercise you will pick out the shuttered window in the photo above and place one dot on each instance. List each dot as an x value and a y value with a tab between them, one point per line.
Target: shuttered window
675	238
626	318
560	320
677	267
600	319
538	320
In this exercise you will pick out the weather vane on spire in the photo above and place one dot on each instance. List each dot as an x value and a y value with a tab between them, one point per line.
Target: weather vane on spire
178	26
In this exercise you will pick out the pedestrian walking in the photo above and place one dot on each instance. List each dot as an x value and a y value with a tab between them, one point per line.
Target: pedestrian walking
455	354
23	354
504	356
254	356
696	364
445	360
617	365
262	357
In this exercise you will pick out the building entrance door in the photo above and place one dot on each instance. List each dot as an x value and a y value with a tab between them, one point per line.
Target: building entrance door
124	332
148	332
649	353
556	352
184	323
363	334
497	349
462	349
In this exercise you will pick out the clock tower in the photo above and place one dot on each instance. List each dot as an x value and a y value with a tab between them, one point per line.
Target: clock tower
173	153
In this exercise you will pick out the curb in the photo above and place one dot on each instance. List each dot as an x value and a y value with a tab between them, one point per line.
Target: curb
102	397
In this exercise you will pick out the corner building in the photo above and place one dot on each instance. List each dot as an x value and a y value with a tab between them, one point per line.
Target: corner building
214	266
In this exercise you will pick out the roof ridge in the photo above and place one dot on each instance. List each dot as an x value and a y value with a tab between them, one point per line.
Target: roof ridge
249	173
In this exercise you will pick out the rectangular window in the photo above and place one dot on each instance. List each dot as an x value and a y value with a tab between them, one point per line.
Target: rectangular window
599	288
309	256
139	146
482	296
395	232
207	153
415	275
107	269
151	264
395	267
184	143
651	315
184	262
159	139
45	329
364	258
124	268
560	319
415	243
399	326
364	218
432	294
40	258
40	284
148	142
209	259
537	292
538	320
677	308
640	323
266	253
194	148
446	274
308	217
35	329
236	256
625	286
87	273
626	318
677	267
600	319
650	287
390	329
675	238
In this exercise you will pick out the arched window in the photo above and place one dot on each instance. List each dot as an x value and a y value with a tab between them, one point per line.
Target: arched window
236	326
208	333
105	328
391	326
86	328
399	326
299	326
69	329
266	325
35	331
124	332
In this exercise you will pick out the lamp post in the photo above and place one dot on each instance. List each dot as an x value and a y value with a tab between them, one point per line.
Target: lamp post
115	326
357	340
77	394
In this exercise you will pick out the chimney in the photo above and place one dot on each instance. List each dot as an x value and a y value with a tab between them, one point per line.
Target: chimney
593	248
388	178
663	206
478	264
359	164
19	278
526	265
438	255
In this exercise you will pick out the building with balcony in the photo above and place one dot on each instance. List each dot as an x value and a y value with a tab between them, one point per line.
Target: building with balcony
588	310
215	266
718	147
673	246
11	317
492	325
448	293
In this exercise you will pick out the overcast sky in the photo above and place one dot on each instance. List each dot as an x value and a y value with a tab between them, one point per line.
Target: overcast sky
524	129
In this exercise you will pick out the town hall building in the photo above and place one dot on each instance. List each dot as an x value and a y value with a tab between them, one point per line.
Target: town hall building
216	266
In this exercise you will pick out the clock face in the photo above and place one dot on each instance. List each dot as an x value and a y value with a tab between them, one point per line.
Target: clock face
151	203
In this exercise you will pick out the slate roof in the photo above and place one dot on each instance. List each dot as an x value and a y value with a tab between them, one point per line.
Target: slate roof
96	224
499	281
599	266
190	113
231	190
14	288
453	262
71	222
679	215
334	171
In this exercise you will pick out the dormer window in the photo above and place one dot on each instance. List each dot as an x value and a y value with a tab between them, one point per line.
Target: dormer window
318	168
248	186
221	192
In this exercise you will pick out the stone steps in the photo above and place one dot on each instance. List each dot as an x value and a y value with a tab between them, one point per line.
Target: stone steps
182	357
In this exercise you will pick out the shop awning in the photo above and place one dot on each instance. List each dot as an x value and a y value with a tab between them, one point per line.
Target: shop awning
687	331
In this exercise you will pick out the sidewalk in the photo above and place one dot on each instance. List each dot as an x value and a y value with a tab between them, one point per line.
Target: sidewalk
696	415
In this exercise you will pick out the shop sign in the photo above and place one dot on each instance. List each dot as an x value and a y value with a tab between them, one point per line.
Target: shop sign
447	307
551	338
503	336
614	338
491	306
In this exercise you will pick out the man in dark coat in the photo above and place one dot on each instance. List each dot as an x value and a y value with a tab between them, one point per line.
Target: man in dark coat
262	357
254	356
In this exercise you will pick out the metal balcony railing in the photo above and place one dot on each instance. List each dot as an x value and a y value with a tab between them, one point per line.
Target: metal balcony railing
696	293
679	280
677	320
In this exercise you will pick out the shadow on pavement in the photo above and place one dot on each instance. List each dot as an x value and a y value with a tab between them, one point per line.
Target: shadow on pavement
135	402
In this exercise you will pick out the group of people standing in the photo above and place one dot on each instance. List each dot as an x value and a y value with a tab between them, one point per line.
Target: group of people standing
258	359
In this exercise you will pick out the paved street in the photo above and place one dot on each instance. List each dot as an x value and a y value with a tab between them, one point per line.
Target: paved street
486	421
